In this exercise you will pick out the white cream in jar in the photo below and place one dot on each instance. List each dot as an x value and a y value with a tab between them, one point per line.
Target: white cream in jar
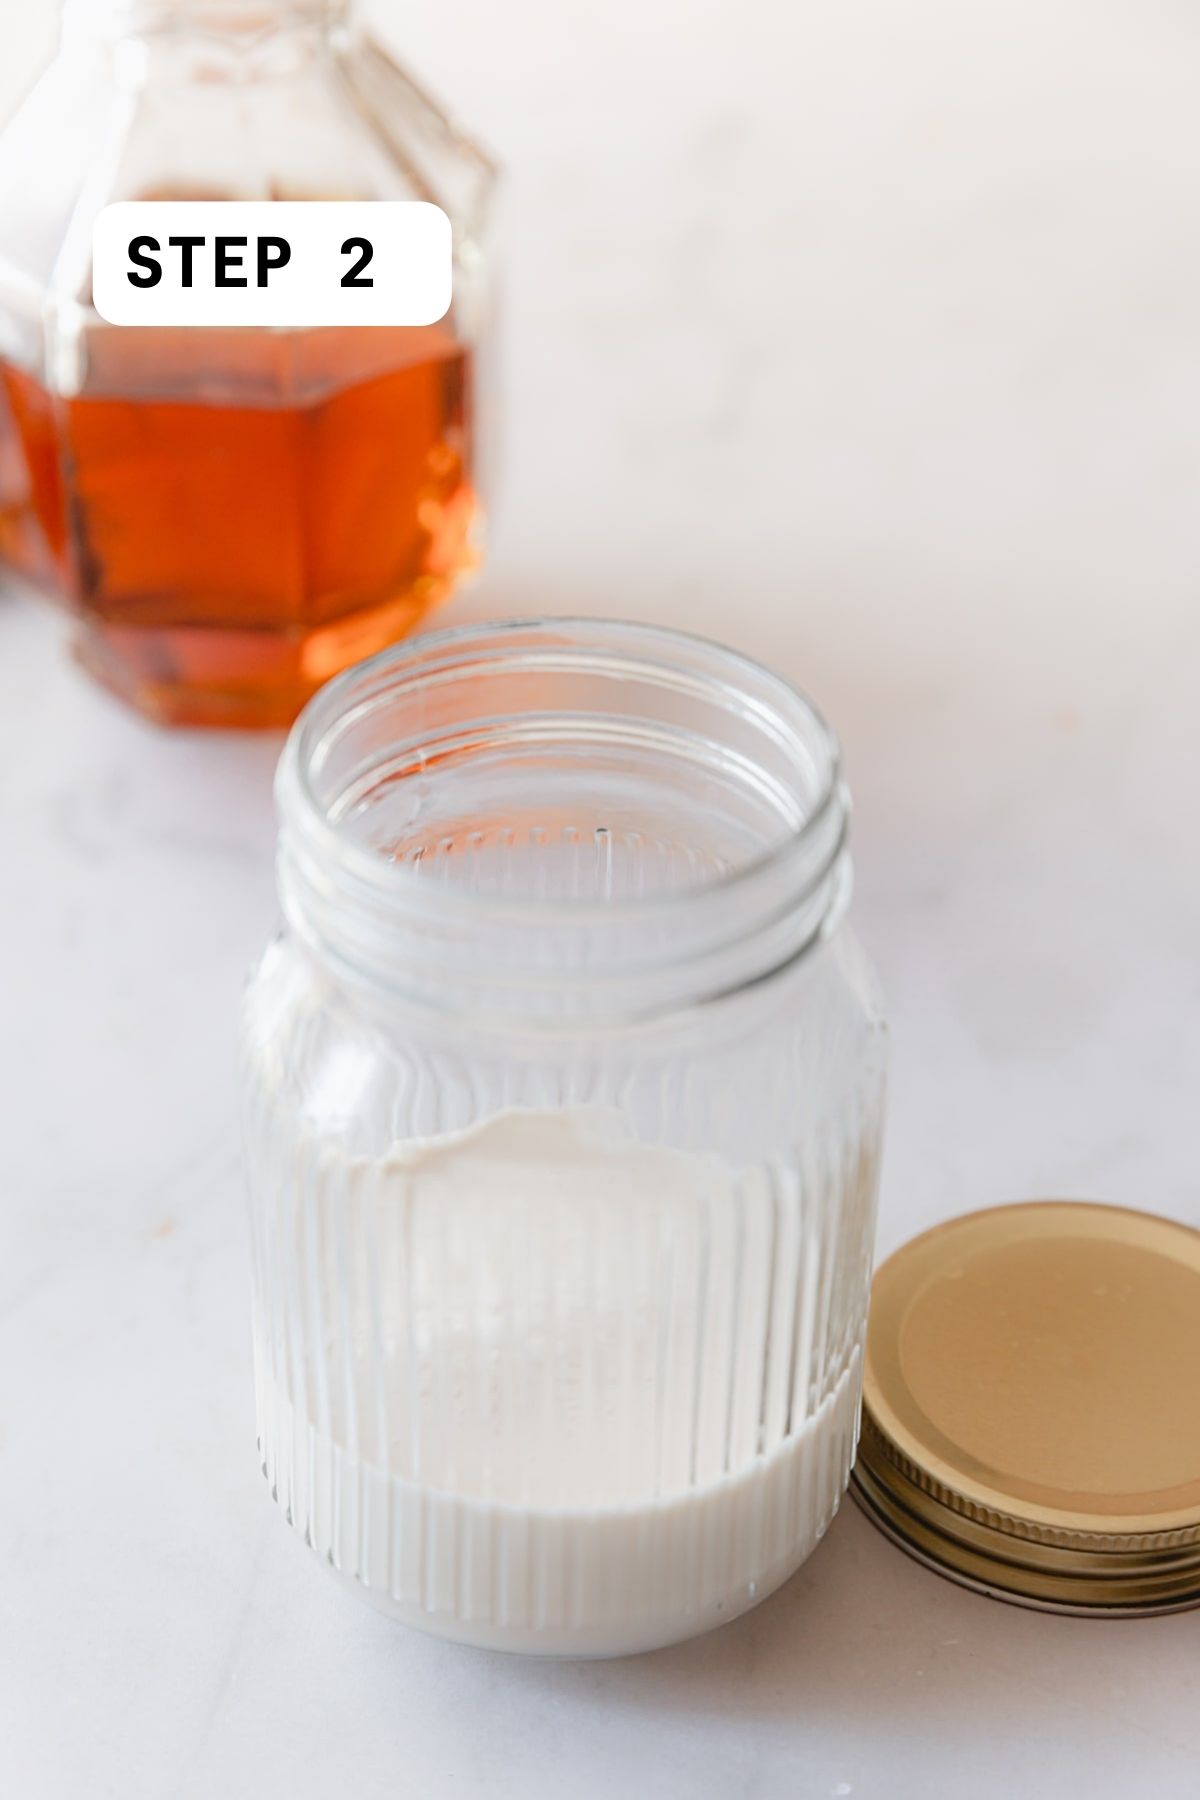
584	1427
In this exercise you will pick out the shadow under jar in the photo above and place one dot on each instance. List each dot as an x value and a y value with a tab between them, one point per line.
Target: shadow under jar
564	1089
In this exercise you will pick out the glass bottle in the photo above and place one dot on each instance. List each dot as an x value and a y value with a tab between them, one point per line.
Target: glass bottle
232	515
564	1090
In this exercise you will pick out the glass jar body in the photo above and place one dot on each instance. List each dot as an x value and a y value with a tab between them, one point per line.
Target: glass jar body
235	515
559	1320
540	1410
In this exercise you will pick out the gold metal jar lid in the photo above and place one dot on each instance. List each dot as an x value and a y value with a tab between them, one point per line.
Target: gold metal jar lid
1031	1406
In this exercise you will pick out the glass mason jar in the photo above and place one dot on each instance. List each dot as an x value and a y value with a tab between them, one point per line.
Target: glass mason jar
233	515
564	1089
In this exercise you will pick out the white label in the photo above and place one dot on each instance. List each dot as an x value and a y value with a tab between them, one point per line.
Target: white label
272	262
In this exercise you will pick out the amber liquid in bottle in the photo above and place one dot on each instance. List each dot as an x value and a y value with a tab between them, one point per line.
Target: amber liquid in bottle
33	529
236	515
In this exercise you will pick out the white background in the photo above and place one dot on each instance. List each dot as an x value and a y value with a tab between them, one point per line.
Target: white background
867	337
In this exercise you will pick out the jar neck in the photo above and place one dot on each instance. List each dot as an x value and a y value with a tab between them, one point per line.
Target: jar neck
236	20
556	825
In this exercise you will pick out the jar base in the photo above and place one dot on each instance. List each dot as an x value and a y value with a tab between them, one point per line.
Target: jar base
581	1643
539	1581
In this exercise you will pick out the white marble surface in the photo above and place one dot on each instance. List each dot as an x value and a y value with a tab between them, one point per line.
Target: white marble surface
865	337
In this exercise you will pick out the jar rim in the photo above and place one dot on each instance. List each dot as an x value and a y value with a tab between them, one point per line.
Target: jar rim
626	957
296	796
